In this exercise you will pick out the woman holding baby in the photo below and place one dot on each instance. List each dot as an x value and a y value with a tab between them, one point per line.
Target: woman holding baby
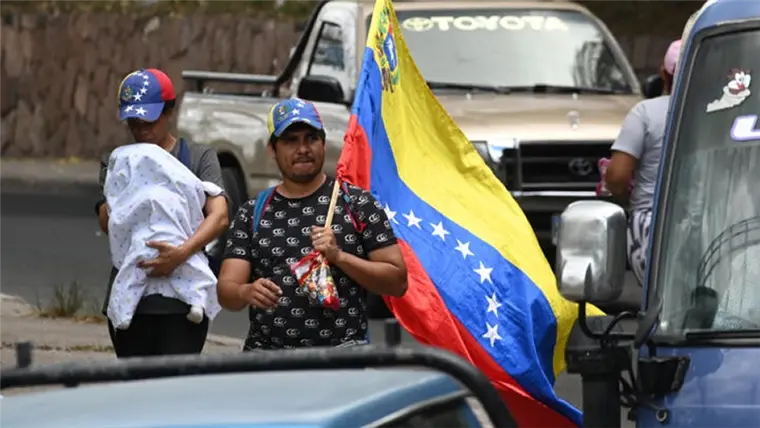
160	208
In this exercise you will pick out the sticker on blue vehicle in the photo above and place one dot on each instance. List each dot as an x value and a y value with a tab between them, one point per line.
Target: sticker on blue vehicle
735	91
745	128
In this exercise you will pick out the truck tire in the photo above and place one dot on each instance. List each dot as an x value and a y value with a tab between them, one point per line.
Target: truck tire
233	185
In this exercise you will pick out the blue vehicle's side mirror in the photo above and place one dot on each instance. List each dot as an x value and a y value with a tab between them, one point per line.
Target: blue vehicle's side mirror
591	252
653	86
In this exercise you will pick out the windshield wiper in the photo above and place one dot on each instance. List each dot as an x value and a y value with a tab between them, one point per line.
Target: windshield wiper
558	89
469	87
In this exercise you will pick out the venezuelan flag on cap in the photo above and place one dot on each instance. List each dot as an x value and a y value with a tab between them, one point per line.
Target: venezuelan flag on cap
290	111
479	284
144	93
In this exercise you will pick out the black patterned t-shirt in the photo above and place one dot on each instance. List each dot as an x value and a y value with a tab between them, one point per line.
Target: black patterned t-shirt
282	238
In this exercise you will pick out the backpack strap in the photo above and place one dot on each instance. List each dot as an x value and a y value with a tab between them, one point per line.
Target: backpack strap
184	153
262	200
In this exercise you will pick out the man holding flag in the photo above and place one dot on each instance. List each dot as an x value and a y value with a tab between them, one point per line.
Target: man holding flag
479	285
264	244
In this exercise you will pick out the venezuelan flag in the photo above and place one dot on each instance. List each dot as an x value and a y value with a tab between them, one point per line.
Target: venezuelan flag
479	284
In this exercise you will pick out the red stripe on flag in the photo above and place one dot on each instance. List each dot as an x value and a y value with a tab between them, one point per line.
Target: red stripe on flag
356	156
425	316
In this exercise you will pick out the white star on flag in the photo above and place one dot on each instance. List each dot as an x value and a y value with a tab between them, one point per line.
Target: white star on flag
484	272
413	220
146	83
492	334
295	111
141	111
137	97
144	76
464	248
439	231
493	305
391	214
128	109
143	90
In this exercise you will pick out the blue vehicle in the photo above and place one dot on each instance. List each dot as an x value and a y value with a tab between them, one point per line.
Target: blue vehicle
364	386
692	361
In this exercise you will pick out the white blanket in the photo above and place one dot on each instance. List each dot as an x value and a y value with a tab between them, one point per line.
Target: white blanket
152	196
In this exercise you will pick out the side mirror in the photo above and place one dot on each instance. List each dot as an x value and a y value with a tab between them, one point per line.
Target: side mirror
653	86
591	252
321	89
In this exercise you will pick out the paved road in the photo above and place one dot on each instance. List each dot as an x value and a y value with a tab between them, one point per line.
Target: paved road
49	237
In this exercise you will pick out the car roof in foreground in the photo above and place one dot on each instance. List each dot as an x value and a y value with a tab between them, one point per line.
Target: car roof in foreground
309	398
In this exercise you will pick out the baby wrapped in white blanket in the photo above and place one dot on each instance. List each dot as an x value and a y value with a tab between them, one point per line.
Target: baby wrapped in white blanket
152	196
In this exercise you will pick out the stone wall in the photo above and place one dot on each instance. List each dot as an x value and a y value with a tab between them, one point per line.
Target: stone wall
59	73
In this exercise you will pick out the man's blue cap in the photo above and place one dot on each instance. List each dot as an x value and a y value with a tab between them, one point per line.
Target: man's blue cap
144	93
290	111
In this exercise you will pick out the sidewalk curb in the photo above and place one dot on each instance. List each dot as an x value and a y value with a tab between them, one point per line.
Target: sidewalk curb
212	339
219	340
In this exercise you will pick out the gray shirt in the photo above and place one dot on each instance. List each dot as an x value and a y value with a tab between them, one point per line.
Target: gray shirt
205	165
641	137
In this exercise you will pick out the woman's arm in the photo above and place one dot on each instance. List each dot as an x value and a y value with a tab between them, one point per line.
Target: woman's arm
103	217
101	207
626	152
215	209
619	175
215	223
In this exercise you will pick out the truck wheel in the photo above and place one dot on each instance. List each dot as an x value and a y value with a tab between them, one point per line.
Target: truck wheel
233	185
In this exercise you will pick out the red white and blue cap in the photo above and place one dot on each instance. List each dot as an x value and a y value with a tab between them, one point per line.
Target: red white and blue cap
143	94
290	111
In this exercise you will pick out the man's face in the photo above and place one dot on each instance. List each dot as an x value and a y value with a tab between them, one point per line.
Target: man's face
299	152
149	132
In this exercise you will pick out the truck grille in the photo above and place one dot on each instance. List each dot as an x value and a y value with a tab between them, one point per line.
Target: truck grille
552	165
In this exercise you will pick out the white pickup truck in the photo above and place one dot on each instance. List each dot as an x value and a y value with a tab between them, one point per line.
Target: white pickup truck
540	87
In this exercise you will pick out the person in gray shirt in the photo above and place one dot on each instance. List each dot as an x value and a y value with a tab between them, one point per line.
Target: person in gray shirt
160	325
636	155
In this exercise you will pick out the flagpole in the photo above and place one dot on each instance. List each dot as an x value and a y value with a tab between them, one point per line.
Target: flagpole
333	201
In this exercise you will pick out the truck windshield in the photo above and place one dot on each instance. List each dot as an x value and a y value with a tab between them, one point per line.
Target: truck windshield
708	273
512	48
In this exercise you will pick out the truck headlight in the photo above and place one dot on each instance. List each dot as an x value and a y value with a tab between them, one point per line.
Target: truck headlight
497	147
482	148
